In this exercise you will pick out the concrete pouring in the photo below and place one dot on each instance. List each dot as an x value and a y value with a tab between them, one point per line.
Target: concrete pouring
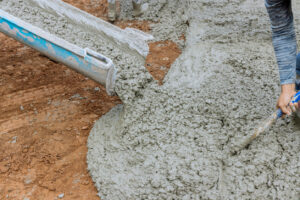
174	141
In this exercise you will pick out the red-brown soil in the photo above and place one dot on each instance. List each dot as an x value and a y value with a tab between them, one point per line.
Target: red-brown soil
47	111
161	57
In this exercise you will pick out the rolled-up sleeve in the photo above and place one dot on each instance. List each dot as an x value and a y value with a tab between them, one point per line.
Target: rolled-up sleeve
284	38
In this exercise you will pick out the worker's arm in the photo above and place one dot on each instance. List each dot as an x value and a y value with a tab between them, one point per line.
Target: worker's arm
285	46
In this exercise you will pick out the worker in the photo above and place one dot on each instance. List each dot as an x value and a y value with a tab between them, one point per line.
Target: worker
285	47
138	9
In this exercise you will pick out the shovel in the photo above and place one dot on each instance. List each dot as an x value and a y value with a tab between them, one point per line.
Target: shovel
265	125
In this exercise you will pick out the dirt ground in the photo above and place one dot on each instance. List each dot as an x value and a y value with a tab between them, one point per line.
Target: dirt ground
47	111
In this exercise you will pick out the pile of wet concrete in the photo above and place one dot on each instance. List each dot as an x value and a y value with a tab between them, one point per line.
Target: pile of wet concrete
174	141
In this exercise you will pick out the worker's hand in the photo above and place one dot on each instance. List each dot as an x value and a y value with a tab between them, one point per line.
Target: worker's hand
287	93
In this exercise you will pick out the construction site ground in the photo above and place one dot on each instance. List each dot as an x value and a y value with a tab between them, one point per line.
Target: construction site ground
47	111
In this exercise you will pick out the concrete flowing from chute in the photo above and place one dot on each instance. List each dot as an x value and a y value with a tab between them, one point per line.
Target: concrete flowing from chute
174	141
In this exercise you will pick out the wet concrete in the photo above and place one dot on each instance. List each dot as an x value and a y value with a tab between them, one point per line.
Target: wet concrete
170	18
174	141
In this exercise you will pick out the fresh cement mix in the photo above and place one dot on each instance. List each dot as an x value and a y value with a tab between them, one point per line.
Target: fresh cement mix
175	141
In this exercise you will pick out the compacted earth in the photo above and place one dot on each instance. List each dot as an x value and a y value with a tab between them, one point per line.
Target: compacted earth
47	111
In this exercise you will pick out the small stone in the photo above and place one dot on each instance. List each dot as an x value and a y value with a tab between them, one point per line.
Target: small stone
27	181
61	195
163	68
97	89
75	96
14	139
21	108
84	127
26	198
